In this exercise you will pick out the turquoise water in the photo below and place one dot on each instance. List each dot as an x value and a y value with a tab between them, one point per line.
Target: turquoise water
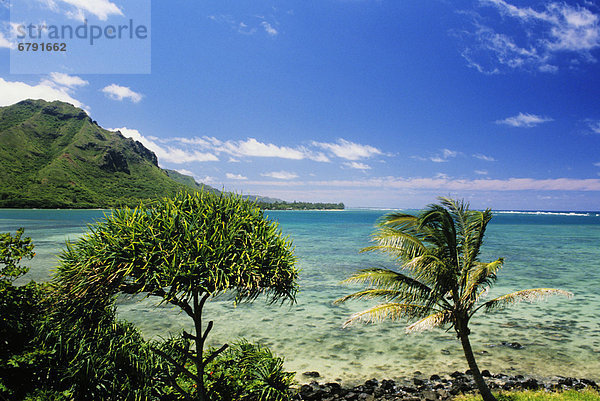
559	336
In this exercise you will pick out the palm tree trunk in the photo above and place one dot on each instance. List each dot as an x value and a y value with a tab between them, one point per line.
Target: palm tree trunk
466	345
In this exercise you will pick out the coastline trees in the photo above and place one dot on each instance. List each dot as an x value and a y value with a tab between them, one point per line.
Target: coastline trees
443	281
184	250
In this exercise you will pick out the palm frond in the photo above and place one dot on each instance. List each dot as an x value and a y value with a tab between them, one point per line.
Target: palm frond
371	293
430	322
421	262
531	295
399	244
390	310
482	274
459	211
400	221
386	279
439	230
476	226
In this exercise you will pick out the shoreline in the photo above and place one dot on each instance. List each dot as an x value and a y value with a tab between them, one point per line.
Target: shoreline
435	388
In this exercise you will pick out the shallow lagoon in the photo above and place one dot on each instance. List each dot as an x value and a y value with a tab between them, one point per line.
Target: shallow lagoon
559	336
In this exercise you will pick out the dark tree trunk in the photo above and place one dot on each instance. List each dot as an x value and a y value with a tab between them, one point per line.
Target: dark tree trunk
199	340
463	334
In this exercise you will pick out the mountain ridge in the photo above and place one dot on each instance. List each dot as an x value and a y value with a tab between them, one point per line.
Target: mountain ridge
53	155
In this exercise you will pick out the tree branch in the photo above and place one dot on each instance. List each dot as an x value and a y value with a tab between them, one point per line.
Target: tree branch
202	302
188	336
181	391
208	329
214	354
176	365
173	300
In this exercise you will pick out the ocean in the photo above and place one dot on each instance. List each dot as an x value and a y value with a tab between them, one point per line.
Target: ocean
557	336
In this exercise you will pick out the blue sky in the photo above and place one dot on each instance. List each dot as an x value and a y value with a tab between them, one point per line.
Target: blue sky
371	103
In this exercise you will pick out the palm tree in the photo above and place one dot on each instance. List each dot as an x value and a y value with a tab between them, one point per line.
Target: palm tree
442	280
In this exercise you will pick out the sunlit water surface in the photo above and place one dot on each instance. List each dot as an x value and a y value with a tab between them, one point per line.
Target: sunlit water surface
559	336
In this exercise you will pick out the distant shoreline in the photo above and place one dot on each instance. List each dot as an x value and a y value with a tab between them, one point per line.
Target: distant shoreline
576	213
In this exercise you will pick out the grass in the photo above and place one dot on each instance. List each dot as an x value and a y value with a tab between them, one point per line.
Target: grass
539	395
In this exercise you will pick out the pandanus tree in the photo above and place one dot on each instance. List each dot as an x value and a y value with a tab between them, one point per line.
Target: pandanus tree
183	250
442	281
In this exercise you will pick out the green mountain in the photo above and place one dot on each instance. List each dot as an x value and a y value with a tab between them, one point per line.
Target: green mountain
52	155
261	199
188	181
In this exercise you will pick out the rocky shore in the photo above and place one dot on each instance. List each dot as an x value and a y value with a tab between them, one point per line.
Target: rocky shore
433	389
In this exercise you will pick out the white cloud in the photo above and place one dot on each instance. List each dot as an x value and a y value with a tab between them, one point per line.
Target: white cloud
548	68
442	157
4	42
120	93
207	179
481	172
252	148
12	92
78	10
539	40
594	126
269	28
281	175
524	120
494	51
349	150
232	176
444	183
248	27
597	164
483	157
69	81
168	153
358	165
185	172
447	153
200	180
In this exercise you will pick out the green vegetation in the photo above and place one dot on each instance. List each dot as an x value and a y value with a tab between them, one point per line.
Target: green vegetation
444	279
282	205
49	353
19	312
183	250
62	341
570	395
248	372
54	156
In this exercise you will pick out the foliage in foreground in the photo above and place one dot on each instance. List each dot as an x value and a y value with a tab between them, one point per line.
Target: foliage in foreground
96	356
20	312
184	250
541	395
48	352
249	372
443	280
61	350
